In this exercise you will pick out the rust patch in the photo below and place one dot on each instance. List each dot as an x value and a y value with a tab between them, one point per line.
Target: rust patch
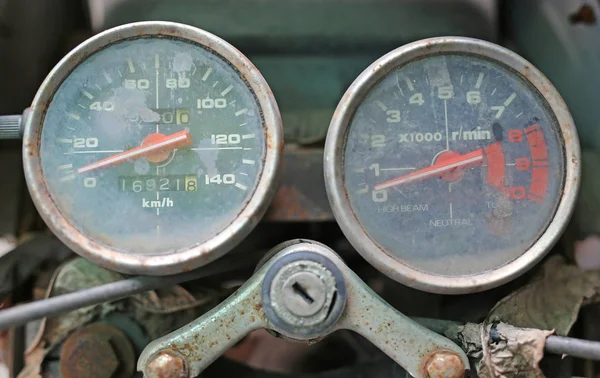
286	205
584	15
97	351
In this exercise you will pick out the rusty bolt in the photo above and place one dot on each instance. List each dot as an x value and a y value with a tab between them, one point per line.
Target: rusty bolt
166	364
97	351
445	365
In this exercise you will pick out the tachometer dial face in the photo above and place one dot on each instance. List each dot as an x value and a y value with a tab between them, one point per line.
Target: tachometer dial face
453	164
454	153
155	144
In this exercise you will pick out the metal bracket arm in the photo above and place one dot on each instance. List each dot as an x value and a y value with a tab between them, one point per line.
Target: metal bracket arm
329	285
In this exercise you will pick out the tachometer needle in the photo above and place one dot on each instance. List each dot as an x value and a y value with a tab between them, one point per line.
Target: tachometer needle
158	143
461	161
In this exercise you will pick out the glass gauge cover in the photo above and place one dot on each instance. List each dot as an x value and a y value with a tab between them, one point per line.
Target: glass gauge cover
453	162
160	143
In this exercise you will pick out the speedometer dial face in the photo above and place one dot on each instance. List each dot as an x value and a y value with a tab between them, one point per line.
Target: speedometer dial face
142	93
454	165
154	145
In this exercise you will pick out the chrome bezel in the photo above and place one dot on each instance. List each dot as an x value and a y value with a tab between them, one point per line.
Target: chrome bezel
176	260
334	170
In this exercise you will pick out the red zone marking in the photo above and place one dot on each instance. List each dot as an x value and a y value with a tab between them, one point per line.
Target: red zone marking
539	156
539	172
496	165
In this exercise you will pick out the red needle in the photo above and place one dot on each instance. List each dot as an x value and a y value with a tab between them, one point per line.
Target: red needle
462	161
153	146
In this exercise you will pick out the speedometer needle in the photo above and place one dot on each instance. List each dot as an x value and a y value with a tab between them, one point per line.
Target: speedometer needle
440	167
154	143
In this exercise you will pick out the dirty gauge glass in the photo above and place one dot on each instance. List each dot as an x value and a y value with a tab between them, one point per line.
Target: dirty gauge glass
157	150
454	165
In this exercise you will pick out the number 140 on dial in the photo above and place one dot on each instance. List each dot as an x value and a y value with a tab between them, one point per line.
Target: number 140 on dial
226	179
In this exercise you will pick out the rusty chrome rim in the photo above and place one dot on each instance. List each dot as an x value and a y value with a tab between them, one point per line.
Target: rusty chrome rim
347	219
177	260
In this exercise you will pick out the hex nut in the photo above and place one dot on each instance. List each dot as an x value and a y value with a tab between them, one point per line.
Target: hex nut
97	351
91	358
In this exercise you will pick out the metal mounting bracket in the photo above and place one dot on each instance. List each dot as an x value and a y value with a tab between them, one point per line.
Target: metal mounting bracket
303	292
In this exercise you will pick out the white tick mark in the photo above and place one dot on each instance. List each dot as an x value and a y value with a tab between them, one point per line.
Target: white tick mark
67	178
382	106
226	90
207	74
510	99
479	80
87	94
131	67
64	167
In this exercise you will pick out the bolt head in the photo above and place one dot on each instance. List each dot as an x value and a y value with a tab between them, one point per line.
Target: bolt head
97	351
91	358
166	365
445	365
